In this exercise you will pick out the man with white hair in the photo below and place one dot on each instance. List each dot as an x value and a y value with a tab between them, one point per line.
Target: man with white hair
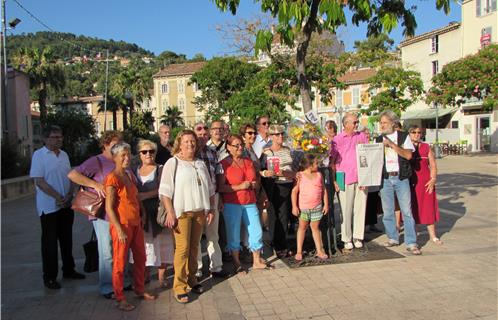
396	175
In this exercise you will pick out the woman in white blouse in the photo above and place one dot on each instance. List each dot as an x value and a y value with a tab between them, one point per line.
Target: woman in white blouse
188	196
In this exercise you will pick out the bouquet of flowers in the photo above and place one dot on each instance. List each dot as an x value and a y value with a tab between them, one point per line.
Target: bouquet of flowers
308	138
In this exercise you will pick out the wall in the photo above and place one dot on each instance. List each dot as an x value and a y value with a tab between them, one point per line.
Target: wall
451	136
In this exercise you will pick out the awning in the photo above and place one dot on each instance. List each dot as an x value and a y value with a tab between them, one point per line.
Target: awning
427	113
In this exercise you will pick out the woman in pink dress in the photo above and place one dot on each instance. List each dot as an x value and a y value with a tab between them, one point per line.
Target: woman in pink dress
424	203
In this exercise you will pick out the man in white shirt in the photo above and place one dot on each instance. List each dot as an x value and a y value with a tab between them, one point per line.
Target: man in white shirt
263	137
49	168
217	142
396	180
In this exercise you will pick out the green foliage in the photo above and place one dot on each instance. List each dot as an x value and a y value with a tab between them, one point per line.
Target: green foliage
474	76
78	129
298	20
63	50
13	163
219	79
399	88
43	73
172	117
372	52
142	123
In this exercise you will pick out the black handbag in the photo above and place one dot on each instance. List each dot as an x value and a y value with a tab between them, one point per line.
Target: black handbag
91	254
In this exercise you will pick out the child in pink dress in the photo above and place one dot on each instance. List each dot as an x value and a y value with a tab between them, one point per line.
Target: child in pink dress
307	196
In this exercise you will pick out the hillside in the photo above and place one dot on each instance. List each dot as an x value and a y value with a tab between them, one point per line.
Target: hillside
64	50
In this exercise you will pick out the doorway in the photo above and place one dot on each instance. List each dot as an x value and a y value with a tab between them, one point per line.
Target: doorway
483	133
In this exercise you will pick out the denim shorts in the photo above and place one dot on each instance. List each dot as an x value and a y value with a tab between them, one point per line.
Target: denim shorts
314	214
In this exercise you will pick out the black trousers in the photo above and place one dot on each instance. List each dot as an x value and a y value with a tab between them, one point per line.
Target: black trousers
280	199
373	208
57	227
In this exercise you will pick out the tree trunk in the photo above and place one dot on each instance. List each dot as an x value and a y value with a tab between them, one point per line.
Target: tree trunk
42	100
125	118
114	119
302	50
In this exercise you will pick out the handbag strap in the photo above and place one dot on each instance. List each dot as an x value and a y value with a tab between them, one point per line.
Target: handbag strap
93	237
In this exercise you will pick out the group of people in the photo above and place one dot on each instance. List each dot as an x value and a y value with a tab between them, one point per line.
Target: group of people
229	187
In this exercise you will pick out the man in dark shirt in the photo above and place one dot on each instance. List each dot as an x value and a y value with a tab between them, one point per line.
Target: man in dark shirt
163	148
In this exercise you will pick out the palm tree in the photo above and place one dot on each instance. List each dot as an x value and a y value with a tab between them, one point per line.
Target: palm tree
43	72
172	117
112	105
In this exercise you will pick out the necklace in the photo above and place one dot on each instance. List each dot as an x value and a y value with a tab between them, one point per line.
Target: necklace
192	163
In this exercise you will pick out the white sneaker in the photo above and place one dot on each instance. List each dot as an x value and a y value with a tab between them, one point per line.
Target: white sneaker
358	244
348	245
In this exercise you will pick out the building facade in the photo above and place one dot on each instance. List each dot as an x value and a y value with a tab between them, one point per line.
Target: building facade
172	87
429	52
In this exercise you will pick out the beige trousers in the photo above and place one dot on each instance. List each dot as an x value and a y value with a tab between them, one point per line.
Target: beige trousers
353	206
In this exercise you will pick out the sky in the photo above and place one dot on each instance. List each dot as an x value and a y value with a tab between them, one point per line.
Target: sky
182	26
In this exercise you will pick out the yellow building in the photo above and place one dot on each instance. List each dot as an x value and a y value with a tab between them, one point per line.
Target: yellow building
429	52
172	88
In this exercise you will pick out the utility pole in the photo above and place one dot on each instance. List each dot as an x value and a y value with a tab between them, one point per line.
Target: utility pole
3	86
437	152
105	93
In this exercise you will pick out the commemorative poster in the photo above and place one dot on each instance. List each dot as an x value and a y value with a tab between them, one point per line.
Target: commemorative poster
369	161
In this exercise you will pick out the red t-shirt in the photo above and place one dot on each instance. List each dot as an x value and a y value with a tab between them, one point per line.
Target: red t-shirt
235	175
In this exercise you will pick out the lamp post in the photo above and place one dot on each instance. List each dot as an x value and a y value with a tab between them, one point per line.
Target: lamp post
437	152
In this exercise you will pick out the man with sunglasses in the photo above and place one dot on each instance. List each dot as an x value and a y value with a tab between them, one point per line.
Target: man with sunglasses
263	139
353	198
210	158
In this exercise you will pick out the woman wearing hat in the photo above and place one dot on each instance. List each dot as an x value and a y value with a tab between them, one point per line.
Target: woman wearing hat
279	170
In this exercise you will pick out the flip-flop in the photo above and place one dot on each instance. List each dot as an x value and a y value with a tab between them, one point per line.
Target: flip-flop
123	305
241	270
267	267
322	256
437	241
182	298
414	251
298	257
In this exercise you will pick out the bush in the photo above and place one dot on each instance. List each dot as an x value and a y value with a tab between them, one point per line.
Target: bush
13	163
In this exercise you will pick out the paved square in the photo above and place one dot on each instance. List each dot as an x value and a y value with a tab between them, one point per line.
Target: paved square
455	281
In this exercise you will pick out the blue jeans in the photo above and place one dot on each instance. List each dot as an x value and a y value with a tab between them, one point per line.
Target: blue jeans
234	215
101	228
402	189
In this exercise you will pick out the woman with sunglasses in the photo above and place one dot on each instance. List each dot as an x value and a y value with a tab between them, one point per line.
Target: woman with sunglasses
279	168
158	240
423	182
237	182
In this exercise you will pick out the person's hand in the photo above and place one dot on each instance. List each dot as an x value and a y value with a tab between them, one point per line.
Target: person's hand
60	201
269	173
100	189
325	210
429	186
171	220
210	217
121	234
295	211
336	185
253	185
245	185
387	142
67	200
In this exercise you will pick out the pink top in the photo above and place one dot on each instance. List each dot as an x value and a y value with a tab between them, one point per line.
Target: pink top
310	191
346	154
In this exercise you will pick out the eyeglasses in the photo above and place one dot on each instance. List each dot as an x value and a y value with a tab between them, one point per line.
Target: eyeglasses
416	132
251	133
236	146
277	134
265	123
144	152
200	128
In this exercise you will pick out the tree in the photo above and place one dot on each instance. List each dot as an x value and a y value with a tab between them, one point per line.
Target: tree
172	117
398	89
43	73
113	106
142	123
298	20
78	128
219	79
474	76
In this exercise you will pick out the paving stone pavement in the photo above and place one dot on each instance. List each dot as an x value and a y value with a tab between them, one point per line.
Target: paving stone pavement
455	281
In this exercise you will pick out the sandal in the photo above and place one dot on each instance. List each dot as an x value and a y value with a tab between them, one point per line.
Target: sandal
414	250
182	298
322	256
123	305
266	267
240	269
198	288
298	257
437	241
390	243
147	296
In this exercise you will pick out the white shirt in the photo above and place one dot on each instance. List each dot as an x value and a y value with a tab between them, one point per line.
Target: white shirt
259	144
192	187
392	164
221	149
53	169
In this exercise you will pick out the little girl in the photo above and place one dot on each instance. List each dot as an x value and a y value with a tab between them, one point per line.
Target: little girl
310	190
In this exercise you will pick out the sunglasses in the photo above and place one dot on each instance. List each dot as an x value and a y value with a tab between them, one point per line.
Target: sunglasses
416	132
264	123
277	134
200	128
251	133
144	152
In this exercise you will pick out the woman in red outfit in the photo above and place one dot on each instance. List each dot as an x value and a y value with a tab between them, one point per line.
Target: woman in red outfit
123	209
423	181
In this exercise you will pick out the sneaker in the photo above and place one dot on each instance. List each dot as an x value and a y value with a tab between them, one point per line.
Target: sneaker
358	243
220	274
348	245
